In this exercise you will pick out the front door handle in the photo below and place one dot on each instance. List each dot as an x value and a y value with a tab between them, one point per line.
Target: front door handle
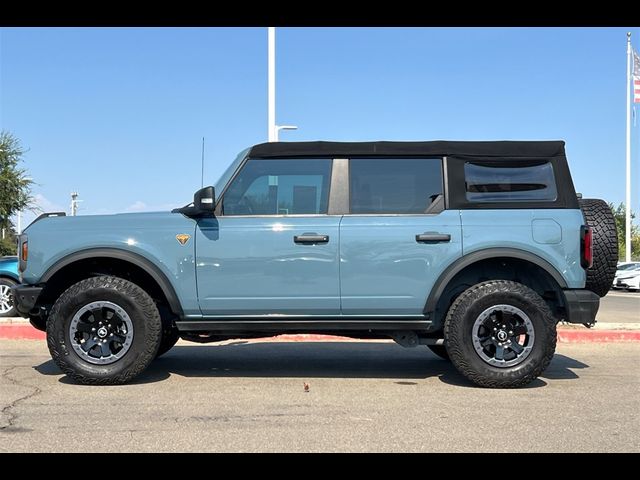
433	238
311	238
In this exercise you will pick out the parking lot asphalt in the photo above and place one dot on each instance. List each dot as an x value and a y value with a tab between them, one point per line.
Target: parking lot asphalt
619	306
363	396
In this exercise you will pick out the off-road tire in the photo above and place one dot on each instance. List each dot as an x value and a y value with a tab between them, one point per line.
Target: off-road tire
440	350
600	218
147	330
467	308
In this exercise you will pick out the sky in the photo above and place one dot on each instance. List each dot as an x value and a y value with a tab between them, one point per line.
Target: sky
118	114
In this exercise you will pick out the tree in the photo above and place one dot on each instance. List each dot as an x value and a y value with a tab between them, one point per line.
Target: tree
15	189
619	213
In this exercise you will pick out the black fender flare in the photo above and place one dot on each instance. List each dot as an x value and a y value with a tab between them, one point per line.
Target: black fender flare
136	259
501	252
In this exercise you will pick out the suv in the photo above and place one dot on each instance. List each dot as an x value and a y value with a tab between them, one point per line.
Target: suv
474	249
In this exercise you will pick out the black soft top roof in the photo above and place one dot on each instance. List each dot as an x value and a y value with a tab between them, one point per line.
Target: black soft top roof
511	149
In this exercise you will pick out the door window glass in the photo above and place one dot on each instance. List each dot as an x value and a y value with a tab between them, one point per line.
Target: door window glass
394	185
279	187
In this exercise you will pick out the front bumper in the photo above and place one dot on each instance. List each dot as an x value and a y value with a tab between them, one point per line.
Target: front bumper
25	298
626	283
581	306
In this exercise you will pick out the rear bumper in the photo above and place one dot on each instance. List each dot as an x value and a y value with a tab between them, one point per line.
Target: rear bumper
25	298
581	306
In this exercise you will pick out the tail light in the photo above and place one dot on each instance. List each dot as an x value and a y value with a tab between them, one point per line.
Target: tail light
586	247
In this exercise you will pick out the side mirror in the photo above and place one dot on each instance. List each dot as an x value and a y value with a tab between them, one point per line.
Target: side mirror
204	204
204	200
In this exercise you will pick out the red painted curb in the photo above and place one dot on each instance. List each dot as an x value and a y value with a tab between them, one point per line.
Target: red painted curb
564	336
27	332
21	331
592	336
309	337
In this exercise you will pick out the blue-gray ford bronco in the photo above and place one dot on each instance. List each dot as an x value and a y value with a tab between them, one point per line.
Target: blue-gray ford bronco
474	249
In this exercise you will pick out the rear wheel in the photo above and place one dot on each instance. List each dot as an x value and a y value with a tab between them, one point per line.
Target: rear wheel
7	306
104	330
500	334
600	218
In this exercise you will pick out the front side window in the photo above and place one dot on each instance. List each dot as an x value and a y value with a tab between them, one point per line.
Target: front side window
279	187
510	182
394	185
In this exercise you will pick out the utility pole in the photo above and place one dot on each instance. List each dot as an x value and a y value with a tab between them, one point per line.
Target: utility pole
74	203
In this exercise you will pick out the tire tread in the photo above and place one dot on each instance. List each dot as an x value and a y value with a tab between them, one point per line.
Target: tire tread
599	217
454	339
152	322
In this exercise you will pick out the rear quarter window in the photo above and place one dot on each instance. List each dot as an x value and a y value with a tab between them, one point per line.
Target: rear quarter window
485	182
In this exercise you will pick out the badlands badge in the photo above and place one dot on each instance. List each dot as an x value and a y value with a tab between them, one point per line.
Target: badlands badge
183	238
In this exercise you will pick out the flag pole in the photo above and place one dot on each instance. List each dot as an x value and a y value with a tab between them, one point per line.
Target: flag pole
627	233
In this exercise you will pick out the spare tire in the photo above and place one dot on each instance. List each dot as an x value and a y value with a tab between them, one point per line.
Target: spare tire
600	218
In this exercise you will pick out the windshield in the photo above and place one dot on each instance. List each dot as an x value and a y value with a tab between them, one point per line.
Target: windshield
629	266
228	173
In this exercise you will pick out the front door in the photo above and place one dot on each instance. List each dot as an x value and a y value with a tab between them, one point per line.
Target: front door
274	249
398	238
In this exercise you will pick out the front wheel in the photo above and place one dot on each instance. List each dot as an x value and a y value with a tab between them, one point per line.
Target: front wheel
500	334
104	330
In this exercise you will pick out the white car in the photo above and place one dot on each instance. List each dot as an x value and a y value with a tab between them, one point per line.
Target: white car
623	270
629	279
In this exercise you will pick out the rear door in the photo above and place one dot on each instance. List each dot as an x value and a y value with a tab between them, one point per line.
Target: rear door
397	237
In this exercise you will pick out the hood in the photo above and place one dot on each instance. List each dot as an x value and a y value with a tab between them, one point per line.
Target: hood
99	222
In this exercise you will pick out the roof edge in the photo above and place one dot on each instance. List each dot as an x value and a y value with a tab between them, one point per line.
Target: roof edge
501	148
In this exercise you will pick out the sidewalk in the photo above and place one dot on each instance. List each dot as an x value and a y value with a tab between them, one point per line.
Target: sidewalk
20	329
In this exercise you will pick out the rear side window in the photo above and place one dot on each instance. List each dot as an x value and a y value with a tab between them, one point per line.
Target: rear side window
510	182
394	185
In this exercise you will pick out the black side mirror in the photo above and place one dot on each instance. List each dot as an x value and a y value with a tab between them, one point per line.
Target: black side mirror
204	200
204	204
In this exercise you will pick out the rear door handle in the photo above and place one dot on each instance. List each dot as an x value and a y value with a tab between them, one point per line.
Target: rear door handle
311	238
433	238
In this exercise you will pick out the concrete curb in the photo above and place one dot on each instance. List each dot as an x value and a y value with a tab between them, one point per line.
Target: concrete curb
24	331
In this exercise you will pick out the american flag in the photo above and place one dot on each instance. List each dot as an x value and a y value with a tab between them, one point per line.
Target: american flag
636	77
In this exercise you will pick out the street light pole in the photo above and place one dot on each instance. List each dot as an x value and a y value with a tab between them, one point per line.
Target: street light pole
283	127
274	129
74	203
273	132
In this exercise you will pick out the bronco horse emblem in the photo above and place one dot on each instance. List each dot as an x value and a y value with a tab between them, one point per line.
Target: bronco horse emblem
183	238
